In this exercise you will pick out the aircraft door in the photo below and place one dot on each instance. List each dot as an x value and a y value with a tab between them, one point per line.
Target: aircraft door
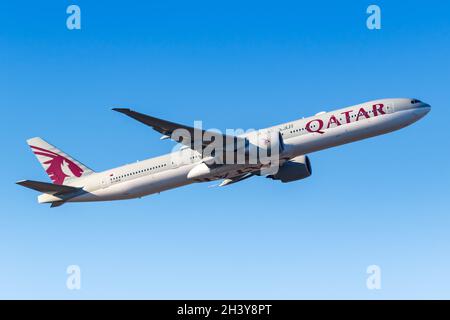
390	108
106	181
179	158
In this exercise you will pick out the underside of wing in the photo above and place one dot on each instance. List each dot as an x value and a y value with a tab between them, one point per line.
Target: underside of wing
227	182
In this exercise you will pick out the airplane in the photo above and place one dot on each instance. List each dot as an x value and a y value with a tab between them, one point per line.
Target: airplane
286	148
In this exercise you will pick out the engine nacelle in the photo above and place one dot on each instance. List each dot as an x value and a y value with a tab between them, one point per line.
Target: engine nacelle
295	169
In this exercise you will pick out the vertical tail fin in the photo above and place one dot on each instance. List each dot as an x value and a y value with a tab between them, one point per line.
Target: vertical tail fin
60	167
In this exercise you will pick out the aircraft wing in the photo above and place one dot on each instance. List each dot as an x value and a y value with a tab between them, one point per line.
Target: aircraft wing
238	178
183	134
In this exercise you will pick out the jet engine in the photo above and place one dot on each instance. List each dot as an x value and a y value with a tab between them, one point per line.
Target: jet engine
295	169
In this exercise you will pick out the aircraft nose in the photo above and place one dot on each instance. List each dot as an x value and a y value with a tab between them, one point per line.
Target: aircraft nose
427	107
422	110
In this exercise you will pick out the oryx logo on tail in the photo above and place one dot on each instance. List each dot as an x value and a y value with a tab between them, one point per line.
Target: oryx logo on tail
58	167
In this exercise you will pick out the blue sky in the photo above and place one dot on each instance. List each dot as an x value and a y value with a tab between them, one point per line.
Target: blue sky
231	64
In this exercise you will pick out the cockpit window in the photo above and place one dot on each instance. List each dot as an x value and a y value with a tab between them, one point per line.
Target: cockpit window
415	101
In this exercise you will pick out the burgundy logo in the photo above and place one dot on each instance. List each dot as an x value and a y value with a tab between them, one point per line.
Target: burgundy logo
58	167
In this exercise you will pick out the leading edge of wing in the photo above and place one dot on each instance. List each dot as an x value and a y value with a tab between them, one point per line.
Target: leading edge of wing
169	128
162	126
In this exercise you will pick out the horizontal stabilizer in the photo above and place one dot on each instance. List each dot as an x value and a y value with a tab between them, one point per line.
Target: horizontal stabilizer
46	187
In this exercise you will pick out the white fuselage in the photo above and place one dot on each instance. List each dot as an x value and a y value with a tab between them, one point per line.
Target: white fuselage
304	136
